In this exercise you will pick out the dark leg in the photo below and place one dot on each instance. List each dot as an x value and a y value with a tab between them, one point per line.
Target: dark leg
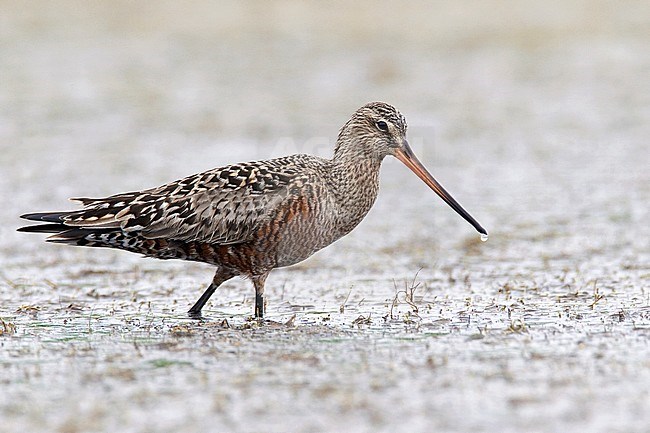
259	306
220	276
258	282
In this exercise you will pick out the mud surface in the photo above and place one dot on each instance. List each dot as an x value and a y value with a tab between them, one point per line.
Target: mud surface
534	116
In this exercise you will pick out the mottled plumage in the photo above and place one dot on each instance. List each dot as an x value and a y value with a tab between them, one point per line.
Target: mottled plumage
249	218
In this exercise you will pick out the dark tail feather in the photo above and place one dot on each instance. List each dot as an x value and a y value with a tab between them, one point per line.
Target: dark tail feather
43	228
55	218
50	217
115	238
63	234
83	237
67	235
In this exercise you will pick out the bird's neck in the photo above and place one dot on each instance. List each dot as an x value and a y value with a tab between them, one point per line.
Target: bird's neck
354	178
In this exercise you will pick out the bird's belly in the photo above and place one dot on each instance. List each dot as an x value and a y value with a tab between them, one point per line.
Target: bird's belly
292	235
305	236
300	241
287	238
283	247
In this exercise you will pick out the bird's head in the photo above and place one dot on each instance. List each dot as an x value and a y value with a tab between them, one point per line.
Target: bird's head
377	130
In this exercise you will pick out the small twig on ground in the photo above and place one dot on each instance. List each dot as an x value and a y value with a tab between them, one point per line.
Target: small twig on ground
517	326
291	321
361	320
409	295
90	316
342	307
597	296
7	328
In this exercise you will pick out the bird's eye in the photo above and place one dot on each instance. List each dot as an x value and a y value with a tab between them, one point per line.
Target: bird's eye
383	126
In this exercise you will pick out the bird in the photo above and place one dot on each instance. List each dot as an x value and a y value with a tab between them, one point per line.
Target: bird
249	218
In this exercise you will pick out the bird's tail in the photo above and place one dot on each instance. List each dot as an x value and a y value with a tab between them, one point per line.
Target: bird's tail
54	222
132	241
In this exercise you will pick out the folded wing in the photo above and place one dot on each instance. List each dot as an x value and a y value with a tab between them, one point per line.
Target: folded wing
223	206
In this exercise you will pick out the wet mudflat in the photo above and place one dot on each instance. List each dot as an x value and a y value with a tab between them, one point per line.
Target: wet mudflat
535	118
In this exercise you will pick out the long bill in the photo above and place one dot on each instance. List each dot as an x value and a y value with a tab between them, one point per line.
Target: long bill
406	155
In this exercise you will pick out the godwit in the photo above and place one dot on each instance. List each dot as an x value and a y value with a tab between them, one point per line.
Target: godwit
247	219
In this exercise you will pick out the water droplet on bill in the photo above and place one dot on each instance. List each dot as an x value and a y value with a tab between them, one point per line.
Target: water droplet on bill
484	237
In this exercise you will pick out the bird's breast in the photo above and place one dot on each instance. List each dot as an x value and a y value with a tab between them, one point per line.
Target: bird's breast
316	214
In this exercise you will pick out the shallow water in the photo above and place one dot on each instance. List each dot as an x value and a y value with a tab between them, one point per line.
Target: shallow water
534	117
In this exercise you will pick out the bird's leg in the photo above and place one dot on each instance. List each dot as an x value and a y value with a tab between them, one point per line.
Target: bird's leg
220	277
258	282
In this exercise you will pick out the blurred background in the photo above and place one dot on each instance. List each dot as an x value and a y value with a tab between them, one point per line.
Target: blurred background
535	115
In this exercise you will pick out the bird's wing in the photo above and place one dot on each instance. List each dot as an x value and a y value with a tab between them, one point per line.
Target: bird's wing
224	205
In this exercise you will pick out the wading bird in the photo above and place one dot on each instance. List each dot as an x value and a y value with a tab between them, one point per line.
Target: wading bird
250	218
